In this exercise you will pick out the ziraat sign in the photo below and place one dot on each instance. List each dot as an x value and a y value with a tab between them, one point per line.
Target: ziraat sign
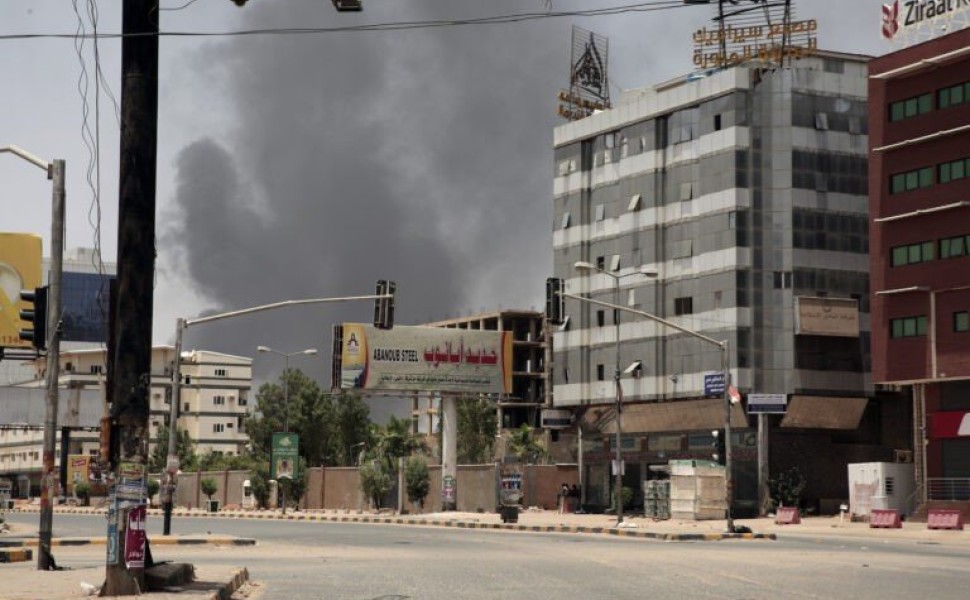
902	17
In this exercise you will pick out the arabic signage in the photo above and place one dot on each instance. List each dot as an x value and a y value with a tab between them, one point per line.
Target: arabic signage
761	31
714	384
131	482
284	462
112	540
20	260
589	86
951	424
135	538
77	470
837	317
425	359
767	404
901	19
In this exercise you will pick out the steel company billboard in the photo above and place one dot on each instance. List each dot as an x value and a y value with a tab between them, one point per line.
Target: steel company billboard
424	358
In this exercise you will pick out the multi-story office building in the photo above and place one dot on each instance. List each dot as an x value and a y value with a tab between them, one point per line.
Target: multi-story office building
214	397
744	191
919	181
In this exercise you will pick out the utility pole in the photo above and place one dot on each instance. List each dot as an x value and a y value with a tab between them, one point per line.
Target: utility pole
131	379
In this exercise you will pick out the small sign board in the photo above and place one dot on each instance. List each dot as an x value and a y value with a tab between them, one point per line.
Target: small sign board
135	538
286	453
714	384
767	404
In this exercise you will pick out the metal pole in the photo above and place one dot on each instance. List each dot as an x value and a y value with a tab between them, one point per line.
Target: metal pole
728	479
762	464
172	466
618	484
286	417
45	560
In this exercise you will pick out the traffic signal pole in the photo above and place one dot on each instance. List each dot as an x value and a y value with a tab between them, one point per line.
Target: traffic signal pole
48	489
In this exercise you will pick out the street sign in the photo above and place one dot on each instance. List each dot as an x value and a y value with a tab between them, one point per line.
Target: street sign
714	384
767	404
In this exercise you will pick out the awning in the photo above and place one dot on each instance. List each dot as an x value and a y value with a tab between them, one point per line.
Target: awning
686	415
824	412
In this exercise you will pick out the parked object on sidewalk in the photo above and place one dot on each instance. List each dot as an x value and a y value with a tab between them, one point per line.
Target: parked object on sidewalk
787	515
509	513
938	518
883	486
885	519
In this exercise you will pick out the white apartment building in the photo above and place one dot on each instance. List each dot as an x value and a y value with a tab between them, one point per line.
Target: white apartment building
214	403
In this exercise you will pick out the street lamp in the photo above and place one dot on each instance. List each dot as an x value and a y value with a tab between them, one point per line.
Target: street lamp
55	172
584	266
286	382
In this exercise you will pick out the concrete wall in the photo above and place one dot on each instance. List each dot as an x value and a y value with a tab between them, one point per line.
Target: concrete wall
189	494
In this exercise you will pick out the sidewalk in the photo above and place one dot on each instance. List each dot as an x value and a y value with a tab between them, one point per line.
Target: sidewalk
531	520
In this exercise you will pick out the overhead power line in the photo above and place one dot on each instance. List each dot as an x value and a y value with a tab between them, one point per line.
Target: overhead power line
640	7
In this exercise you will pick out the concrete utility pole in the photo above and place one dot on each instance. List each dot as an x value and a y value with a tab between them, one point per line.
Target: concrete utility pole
449	452
131	379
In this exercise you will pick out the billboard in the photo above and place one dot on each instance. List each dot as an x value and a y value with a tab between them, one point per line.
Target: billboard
836	317
20	260
285	460
84	312
424	359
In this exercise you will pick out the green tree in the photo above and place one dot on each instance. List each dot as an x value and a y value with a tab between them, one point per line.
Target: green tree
260	486
375	481
786	487
524	443
352	419
295	488
209	487
417	480
184	447
477	427
394	441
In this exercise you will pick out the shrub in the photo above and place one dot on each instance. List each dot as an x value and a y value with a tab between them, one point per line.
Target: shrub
83	492
375	482
417	480
209	487
786	487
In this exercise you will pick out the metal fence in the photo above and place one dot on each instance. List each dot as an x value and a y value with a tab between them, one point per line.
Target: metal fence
948	488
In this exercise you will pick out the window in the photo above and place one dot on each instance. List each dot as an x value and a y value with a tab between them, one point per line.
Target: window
243	401
634	203
218	400
907	327
911	180
218	428
600	373
683	306
782	280
955	246
97	369
228	425
717	122
185	407
954	170
912	254
615	262
911	107
961	321
686	191
953	95
717	299
601	262
600	318
565	220
222	373
565	374
600	212
821	121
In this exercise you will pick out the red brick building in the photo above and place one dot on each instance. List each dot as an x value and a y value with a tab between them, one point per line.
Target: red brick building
919	186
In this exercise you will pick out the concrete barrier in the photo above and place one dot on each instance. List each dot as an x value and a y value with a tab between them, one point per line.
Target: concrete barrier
884	518
938	518
787	515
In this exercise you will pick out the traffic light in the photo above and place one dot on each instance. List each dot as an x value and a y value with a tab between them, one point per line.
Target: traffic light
37	315
555	303
718	451
348	5
384	307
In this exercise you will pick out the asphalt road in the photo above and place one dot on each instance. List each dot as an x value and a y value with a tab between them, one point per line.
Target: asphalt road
367	562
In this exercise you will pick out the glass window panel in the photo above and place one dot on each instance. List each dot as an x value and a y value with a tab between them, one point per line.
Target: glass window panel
927	251
920	325
945	173
911	107
959	169
912	180
909	327
956	95
900	256
913	254
926	177
961	321
958	246
925	103
944	98
898	183
897	325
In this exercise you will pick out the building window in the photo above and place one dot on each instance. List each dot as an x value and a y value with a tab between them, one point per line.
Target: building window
683	306
601	262
565	220
243	401
718	299
908	327
565	374
955	246
782	280
185	407
218	428
97	369
912	254
634	203
954	170
222	373
219	400
911	107
954	95
961	321
228	425
600	373
615	262
600	212
717	122
601	318
911	180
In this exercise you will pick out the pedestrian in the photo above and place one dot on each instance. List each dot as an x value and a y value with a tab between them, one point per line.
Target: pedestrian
563	497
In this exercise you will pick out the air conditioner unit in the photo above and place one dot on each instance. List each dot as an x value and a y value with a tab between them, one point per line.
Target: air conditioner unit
903	456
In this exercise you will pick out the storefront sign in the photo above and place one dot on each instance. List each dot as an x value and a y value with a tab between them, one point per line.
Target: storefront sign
833	317
767	403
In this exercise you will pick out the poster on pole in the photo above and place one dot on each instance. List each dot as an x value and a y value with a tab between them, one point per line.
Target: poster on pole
284	462
424	359
135	538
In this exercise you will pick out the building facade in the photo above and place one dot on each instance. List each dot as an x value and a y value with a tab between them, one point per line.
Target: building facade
743	193
214	396
919	179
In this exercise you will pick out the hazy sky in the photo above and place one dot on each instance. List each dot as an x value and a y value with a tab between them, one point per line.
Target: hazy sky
310	166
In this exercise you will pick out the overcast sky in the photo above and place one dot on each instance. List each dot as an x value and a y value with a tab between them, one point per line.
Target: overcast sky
310	166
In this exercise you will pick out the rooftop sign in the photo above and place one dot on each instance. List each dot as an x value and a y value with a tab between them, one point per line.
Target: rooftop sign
906	20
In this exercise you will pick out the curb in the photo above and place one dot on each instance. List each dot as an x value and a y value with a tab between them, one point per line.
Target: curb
156	541
225	592
15	555
580	529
